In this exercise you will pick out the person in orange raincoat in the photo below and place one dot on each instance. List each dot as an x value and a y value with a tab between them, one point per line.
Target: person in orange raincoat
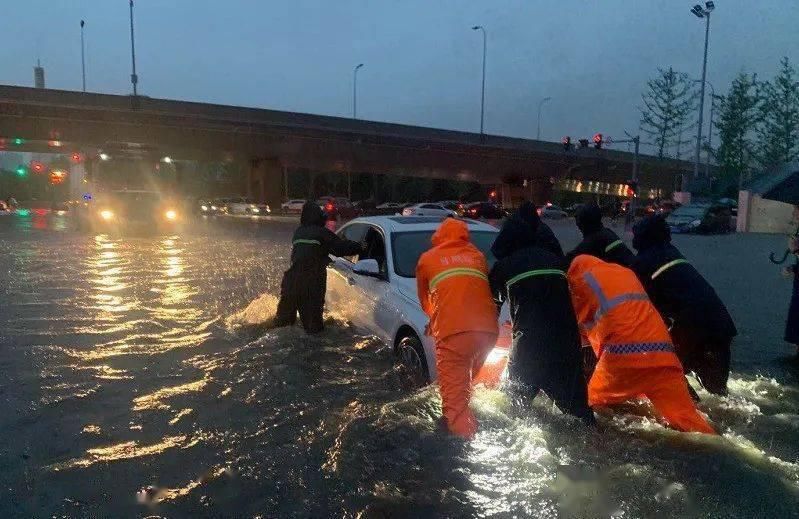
452	283
631	341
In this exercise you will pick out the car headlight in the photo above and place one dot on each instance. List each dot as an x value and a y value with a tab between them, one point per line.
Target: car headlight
170	215
213	208
256	210
106	214
695	223
204	207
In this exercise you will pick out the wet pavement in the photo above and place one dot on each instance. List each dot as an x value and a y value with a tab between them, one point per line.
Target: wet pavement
130	388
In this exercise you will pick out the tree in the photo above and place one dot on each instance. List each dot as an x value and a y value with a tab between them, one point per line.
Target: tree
778	131
737	120
669	100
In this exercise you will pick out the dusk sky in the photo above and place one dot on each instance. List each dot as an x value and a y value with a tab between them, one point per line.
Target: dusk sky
422	60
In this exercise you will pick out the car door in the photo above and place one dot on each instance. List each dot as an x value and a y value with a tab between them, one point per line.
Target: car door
343	295
376	314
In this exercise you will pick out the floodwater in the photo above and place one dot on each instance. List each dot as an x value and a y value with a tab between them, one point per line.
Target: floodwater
130	387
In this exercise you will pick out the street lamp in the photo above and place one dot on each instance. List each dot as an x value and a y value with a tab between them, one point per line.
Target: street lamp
483	94
355	90
710	125
540	104
134	79
82	55
701	12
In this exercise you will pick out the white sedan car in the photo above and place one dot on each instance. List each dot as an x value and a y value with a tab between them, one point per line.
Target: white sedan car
292	206
241	205
428	210
376	291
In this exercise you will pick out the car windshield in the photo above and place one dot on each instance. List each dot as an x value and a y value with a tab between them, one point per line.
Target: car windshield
694	211
408	246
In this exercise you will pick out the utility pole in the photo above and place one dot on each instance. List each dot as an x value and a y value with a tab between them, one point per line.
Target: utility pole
629	218
701	12
82	55
355	90
134	79
483	91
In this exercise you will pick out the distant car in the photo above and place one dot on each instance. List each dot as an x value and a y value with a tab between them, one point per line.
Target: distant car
336	207
552	211
667	207
452	205
487	210
376	290
292	206
242	205
390	205
203	207
131	209
700	218
218	205
428	210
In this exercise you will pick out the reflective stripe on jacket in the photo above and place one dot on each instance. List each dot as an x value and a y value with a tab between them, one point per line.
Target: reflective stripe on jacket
452	283
616	316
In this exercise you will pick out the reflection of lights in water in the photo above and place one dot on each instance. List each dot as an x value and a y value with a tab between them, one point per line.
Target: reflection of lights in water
124	451
106	271
156	399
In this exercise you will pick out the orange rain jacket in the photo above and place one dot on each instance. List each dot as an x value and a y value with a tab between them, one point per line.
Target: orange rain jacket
631	341
452	283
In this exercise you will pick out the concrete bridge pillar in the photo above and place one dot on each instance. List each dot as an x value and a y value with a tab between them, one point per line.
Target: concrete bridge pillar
265	181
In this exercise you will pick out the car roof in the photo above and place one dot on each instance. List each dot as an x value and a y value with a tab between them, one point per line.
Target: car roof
393	224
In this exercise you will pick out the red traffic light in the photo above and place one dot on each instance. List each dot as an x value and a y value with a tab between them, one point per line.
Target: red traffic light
76	157
492	194
598	138
37	167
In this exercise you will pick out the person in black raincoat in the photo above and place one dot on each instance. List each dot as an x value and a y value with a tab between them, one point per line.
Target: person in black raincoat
527	217
546	342
792	271
702	329
305	282
598	240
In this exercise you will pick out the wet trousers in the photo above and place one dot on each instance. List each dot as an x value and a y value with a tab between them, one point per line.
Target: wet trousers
665	387
458	358
708	357
303	294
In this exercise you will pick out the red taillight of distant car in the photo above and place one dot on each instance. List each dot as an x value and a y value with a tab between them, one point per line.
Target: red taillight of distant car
329	207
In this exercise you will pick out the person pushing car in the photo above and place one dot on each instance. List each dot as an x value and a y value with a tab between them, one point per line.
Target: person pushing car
452	284
545	354
631	341
702	329
305	282
598	240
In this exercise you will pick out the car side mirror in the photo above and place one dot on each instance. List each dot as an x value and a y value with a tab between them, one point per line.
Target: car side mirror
367	267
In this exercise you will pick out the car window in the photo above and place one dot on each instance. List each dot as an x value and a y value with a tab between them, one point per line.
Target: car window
375	248
431	206
354	232
408	246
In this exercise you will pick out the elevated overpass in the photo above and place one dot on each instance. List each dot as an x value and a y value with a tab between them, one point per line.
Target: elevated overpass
272	142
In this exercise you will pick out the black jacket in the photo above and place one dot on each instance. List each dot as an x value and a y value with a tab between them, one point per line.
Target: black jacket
312	243
546	342
525	227
676	288
598	240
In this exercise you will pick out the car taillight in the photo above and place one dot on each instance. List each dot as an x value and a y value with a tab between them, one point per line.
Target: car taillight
329	207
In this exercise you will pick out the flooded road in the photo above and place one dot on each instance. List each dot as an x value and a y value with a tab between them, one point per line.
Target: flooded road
130	388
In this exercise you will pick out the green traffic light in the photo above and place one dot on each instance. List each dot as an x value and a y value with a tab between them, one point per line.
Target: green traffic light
22	171
19	142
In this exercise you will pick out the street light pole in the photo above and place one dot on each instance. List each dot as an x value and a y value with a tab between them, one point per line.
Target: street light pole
355	90
82	55
540	104
483	92
134	79
701	12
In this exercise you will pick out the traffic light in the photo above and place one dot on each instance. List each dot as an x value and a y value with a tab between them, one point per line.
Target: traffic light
57	176
567	143
632	188
598	141
583	143
22	171
37	167
18	141
76	157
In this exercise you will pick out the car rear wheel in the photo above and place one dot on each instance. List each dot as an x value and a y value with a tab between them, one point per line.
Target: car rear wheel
410	353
